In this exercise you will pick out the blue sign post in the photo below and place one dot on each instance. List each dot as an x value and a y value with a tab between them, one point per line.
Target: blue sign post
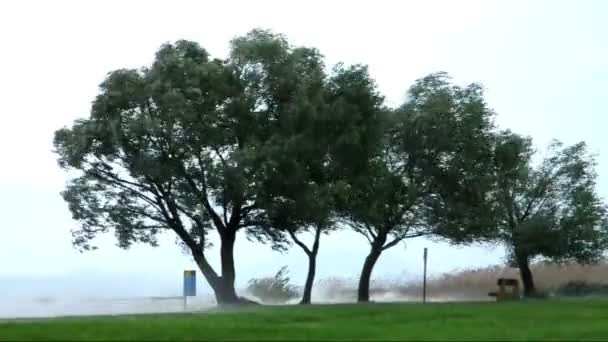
189	286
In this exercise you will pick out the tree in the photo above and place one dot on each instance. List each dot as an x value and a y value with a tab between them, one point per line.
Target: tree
179	146
293	183
429	175
191	145
302	178
550	209
299	208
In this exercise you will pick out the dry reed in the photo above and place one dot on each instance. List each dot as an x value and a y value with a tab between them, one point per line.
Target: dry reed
473	284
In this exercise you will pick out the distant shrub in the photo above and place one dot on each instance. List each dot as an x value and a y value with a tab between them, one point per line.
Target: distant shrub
276	290
581	288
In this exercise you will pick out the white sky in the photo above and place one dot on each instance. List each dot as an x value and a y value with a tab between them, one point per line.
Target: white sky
544	64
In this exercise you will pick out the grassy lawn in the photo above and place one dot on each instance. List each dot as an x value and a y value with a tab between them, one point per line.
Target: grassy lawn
532	320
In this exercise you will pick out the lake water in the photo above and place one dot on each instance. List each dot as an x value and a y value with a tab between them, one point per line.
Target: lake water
50	307
54	307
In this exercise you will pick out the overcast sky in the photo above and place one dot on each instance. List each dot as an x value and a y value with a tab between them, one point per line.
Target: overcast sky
544	64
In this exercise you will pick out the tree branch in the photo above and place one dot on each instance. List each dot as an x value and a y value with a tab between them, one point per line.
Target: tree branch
401	238
118	182
299	243
148	215
177	226
114	176
225	208
246	209
235	216
315	245
414	235
365	232
224	201
175	208
393	243
370	231
251	223
540	192
217	152
202	195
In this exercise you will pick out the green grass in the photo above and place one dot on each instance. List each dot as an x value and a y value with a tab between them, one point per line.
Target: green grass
530	320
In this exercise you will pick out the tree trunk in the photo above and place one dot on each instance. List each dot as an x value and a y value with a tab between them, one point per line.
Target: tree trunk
312	267
310	278
225	292
526	275
312	262
368	266
223	286
366	274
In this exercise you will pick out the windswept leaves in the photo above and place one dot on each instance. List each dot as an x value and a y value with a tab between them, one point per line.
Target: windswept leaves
550	209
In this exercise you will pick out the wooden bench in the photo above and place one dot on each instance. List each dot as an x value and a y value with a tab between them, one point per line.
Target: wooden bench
508	289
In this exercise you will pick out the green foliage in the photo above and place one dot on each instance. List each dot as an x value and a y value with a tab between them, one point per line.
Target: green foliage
270	143
428	171
446	138
275	289
182	146
324	132
551	209
548	210
321	141
201	146
155	154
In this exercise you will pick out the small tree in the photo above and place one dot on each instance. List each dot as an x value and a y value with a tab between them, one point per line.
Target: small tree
275	289
303	174
548	210
428	174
